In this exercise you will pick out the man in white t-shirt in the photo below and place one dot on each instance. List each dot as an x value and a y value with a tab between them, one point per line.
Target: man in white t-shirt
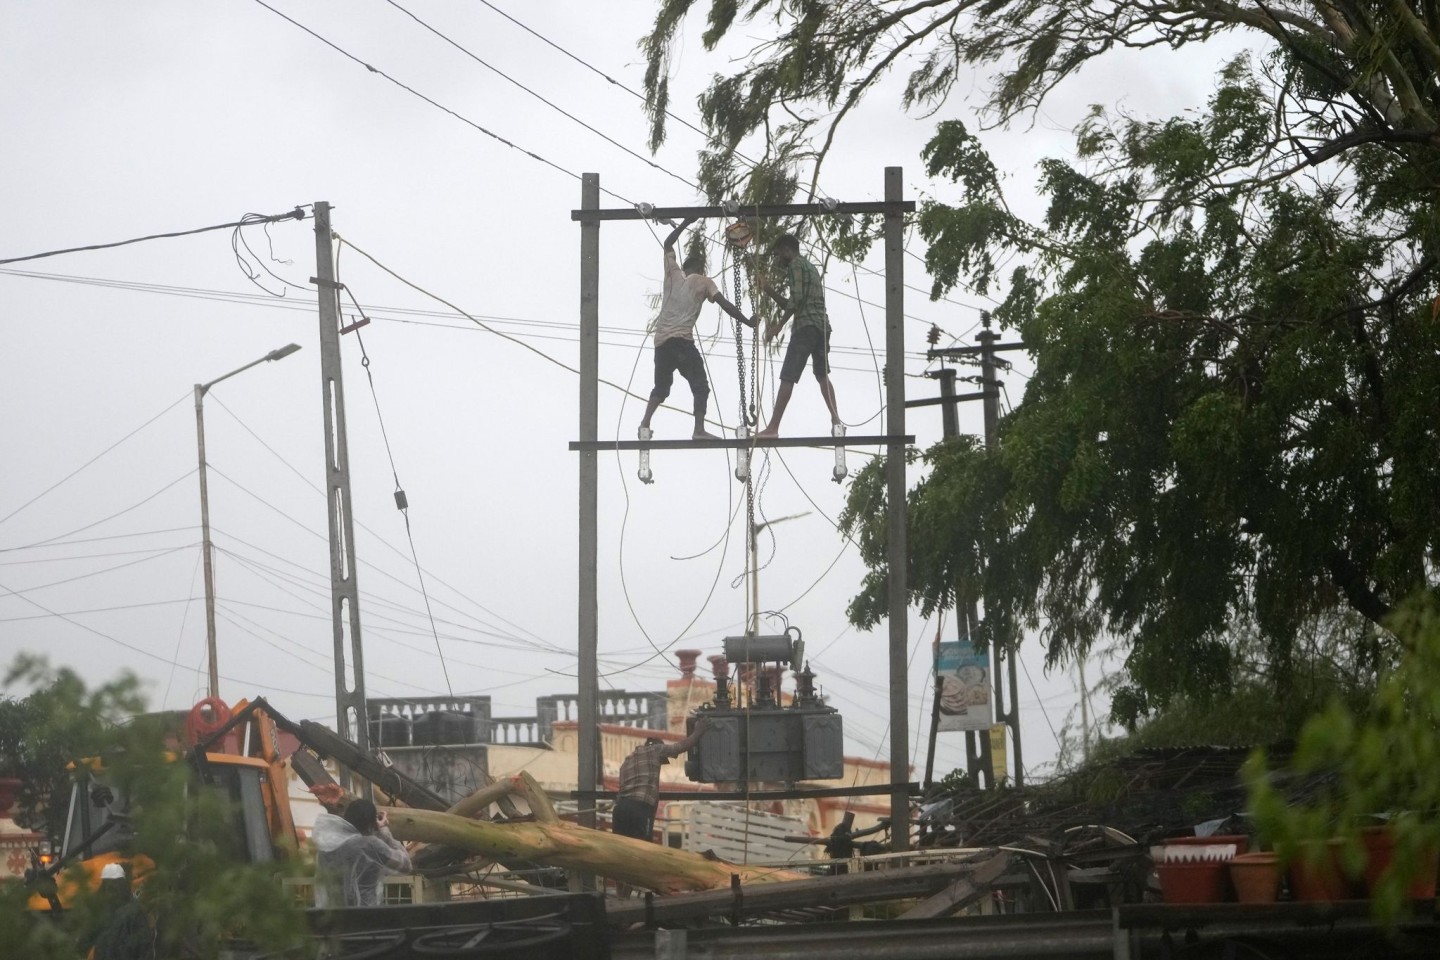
687	289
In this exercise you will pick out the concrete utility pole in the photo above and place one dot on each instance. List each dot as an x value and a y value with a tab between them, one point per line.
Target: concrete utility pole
977	745
588	670
897	556
350	719
1002	655
206	548
1001	647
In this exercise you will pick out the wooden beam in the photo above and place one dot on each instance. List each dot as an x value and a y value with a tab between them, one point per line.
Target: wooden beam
723	443
957	398
962	892
912	787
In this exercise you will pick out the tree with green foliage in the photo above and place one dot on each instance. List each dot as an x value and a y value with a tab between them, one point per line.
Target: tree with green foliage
199	895
42	733
1385	763
1231	314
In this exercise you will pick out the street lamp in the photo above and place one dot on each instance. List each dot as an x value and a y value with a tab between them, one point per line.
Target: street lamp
200	390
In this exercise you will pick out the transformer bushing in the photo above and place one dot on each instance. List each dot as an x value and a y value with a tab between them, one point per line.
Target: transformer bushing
752	735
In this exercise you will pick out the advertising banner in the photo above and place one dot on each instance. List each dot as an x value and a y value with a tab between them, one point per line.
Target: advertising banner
965	693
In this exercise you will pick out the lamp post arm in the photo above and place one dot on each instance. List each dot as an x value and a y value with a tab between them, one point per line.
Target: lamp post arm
285	351
207	550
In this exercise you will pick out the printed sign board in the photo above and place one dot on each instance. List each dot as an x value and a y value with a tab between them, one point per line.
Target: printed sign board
965	686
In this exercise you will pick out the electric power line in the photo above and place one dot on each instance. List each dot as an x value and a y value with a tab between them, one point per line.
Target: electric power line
87	463
491	67
439	106
250	220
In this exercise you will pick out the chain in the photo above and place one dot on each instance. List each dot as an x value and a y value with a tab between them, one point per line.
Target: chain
746	418
754	356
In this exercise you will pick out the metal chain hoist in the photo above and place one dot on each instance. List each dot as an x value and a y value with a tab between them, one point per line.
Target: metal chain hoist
747	414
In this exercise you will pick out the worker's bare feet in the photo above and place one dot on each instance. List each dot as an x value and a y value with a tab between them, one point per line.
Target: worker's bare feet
703	435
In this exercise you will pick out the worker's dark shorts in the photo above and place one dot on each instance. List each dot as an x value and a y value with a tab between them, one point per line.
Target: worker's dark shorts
806	342
678	353
633	818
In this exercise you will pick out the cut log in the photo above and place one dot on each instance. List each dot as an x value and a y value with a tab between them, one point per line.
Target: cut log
573	847
493	792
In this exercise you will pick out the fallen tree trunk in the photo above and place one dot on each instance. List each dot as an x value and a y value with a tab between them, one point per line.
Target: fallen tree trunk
559	843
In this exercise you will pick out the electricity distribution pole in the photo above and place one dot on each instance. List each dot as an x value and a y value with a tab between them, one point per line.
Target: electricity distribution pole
977	745
350	718
893	208
1003	653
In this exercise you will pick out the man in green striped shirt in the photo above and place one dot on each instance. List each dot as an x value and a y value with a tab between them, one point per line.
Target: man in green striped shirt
810	336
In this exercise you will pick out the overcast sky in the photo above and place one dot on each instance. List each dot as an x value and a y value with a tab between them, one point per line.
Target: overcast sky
125	120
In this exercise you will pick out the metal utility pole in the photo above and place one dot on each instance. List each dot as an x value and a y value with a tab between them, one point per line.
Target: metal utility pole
588	672
1001	647
350	719
977	746
753	571
896	548
895	441
950	421
207	549
990	393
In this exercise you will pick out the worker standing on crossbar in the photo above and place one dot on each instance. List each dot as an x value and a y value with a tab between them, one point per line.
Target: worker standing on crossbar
810	335
686	290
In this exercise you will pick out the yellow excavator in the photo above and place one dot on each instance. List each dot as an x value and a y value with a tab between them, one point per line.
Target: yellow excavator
236	756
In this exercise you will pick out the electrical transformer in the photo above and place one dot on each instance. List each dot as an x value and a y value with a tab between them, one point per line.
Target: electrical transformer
751	733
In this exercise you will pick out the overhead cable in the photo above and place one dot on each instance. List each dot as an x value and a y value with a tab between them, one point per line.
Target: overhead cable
557	108
439	106
250	220
97	456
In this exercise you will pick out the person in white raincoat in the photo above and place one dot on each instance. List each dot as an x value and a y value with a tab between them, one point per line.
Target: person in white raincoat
354	854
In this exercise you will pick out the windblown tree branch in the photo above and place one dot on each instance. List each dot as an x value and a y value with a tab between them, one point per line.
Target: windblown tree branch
1232	313
1382	56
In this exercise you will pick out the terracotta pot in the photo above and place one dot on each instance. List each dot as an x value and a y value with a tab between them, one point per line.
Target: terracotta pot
1192	869
1379	845
1316	874
1198	882
1192	849
1256	877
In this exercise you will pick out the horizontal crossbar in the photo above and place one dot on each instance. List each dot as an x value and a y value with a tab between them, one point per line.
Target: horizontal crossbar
958	398
936	353
722	443
763	210
870	790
